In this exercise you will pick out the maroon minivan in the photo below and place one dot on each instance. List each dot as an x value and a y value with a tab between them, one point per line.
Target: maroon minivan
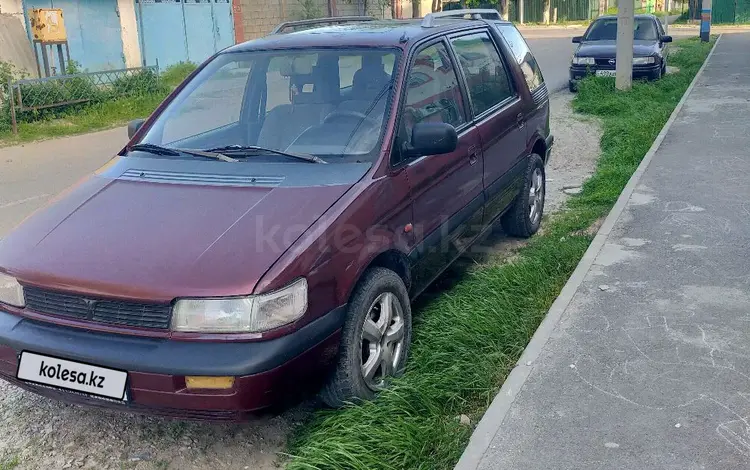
265	230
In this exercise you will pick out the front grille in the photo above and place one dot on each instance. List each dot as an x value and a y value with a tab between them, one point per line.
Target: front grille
604	63
114	312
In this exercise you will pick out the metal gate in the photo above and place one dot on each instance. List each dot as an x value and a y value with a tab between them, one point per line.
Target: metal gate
173	31
93	28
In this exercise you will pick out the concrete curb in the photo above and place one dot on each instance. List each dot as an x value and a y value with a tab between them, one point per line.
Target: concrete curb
495	415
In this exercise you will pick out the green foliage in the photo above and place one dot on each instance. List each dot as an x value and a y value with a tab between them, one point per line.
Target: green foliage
309	9
85	118
469	338
143	82
175	74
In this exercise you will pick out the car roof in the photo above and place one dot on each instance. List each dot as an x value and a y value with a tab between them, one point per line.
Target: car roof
377	33
641	15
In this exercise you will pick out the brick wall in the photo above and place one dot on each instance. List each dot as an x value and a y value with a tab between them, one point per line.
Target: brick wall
259	17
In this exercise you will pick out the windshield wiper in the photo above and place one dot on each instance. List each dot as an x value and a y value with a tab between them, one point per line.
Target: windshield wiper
155	149
247	150
176	152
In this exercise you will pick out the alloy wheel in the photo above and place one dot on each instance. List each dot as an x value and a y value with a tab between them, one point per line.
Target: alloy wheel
536	196
382	340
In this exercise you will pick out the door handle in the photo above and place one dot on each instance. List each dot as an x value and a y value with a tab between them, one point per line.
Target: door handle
520	120
473	154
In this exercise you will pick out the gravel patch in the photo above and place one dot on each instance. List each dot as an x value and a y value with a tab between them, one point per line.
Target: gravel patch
43	434
574	153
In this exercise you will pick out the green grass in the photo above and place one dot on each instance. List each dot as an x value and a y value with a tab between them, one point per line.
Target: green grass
98	116
175	74
468	338
87	119
9	463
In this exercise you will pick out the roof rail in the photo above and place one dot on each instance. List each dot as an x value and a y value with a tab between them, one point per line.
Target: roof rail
320	21
467	14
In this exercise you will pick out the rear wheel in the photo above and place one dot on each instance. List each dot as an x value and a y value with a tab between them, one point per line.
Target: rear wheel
524	217
375	340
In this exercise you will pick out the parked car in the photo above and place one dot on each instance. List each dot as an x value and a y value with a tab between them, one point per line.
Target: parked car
265	229
596	51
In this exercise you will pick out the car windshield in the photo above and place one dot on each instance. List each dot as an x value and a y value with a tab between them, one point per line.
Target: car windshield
330	103
605	29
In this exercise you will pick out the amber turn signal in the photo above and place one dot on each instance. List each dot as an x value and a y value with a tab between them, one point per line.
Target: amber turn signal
209	383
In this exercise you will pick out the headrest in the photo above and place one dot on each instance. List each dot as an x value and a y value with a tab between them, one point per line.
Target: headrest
300	65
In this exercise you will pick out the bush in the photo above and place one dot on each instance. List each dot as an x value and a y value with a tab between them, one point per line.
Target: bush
140	83
175	74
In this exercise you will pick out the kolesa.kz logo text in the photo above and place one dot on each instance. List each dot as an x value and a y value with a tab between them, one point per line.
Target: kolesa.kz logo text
82	378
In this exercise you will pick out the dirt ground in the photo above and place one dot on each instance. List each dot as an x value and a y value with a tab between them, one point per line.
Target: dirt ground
37	433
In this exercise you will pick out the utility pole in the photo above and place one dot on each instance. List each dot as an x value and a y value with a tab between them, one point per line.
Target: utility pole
624	57
520	11
706	21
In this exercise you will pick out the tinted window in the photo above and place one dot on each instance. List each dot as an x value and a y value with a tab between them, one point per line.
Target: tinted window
433	93
605	29
523	55
661	28
485	72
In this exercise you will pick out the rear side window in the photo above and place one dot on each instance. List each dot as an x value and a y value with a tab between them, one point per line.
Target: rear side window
521	52
485	72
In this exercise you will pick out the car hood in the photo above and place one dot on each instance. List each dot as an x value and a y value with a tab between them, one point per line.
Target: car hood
139	229
609	48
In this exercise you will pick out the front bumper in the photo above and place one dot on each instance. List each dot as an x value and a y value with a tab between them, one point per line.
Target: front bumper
578	72
265	371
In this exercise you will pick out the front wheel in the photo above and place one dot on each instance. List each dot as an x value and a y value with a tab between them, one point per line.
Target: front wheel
524	217
375	340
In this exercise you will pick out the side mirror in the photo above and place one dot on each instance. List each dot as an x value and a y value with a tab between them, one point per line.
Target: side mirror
432	138
577	39
133	127
666	39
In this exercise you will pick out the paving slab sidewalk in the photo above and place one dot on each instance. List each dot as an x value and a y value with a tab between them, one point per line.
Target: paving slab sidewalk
649	363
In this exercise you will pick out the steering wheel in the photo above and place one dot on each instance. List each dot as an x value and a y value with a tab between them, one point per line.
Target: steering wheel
351	115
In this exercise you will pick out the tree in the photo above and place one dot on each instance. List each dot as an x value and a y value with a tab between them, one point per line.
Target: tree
503	6
545	11
309	9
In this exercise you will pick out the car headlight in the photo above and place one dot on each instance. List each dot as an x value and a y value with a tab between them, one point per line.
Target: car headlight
250	314
11	292
643	60
583	61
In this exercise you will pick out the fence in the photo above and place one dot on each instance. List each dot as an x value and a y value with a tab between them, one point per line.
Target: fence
33	95
730	11
567	10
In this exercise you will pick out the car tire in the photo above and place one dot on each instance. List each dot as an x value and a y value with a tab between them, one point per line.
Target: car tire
362	348
572	86
524	217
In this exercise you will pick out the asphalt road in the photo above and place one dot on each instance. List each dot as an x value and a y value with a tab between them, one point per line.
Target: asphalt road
553	56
